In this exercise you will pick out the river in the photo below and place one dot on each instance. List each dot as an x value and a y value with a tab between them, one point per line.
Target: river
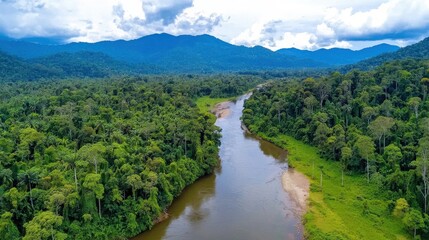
243	199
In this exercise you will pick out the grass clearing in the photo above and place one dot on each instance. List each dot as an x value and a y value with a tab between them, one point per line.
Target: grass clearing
206	104
356	210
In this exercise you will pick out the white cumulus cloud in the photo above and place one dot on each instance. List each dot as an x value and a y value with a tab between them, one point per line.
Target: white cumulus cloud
393	21
97	20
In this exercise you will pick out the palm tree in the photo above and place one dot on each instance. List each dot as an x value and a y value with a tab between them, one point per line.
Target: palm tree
29	177
6	177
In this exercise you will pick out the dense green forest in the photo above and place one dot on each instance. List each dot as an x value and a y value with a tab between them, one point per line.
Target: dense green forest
68	65
103	158
374	124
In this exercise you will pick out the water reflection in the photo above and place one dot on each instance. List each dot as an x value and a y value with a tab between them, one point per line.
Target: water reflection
188	204
268	148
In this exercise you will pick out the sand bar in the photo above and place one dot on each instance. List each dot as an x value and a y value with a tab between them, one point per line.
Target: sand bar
298	186
222	109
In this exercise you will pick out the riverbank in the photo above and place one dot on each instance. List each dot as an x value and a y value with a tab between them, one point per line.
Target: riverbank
207	104
356	210
297	186
222	109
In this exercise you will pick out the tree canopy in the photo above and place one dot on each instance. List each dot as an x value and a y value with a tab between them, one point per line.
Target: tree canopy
103	158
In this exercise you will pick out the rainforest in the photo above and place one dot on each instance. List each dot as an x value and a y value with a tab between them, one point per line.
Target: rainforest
199	119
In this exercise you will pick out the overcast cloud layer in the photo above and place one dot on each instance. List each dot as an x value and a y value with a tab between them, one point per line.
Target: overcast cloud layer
304	24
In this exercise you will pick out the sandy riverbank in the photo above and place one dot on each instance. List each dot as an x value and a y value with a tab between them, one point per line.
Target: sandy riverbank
298	187
222	109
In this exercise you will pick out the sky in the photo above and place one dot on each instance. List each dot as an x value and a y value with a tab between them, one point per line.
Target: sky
274	24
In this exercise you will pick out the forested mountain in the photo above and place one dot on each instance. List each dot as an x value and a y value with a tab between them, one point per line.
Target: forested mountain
88	64
373	123
12	69
418	50
202	54
67	65
92	159
196	54
339	56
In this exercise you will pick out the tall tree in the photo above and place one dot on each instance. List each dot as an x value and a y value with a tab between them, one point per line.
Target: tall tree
346	156
92	183
414	104
425	85
368	113
422	164
321	134
414	221
28	178
56	200
310	103
380	127
29	138
393	156
365	148
135	182
93	153
323	91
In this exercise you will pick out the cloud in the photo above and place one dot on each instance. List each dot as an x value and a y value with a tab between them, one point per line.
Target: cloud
194	22
164	10
97	20
394	19
26	5
278	34
25	18
187	20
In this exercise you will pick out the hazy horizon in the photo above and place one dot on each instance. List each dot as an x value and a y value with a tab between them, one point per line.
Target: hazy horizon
47	41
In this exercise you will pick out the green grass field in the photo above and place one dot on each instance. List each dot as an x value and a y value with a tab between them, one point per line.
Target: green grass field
206	104
355	211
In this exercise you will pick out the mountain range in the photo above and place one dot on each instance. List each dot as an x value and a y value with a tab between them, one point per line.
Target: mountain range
419	50
339	56
164	53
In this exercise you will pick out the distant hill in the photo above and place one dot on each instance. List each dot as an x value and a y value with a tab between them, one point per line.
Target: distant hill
339	56
88	64
202	54
64	65
13	68
164	53
194	54
418	50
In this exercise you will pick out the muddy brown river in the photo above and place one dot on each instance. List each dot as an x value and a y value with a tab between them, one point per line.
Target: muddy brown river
243	199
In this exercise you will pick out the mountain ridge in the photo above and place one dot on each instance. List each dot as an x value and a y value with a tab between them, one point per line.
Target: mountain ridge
419	50
340	56
160	43
185	53
165	53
